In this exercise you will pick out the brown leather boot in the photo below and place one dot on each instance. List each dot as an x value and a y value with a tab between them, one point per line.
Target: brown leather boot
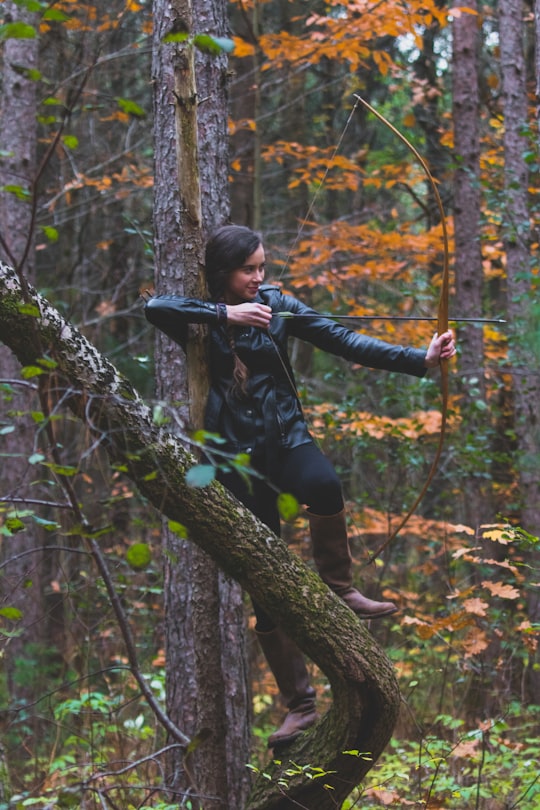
333	560
289	669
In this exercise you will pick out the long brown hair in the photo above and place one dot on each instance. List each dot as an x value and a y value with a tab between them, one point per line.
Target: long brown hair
227	250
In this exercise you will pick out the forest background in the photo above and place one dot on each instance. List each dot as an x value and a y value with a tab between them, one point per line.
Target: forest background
352	226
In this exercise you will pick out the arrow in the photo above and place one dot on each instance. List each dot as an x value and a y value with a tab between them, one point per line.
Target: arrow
287	314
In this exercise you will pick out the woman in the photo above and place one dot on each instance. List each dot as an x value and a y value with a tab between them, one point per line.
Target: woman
253	404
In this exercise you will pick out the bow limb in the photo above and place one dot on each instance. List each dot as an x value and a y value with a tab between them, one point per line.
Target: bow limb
442	326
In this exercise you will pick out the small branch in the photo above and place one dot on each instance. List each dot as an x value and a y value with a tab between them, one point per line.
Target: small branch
36	502
38	551
20	383
135	764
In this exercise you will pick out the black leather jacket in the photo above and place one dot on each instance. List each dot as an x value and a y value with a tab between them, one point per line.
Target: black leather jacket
270	416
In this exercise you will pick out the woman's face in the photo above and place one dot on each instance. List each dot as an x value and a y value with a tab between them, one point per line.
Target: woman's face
243	284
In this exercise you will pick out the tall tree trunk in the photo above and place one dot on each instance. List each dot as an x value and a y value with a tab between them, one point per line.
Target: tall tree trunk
214	168
477	506
206	684
21	584
537	59
244	106
522	308
426	112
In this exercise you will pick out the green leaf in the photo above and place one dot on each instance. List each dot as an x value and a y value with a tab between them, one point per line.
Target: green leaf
62	469
47	362
46	119
50	233
213	45
14	525
139	556
55	14
28	309
11	613
200	476
29	5
17	30
178	529
288	506
203	436
242	460
31	371
19	191
31	74
7	429
130	107
71	141
178	36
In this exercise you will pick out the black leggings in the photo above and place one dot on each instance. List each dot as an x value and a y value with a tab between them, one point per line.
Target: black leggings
303	472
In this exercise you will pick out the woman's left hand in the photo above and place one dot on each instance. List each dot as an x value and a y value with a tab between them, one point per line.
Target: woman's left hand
442	347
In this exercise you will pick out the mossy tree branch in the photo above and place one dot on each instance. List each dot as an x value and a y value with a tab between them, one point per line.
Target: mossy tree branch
365	692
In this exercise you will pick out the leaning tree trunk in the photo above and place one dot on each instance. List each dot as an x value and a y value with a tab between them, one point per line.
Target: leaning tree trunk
365	692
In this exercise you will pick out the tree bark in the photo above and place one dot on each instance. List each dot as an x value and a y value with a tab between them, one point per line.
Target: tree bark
477	505
537	60
21	586
365	692
232	672
522	308
205	626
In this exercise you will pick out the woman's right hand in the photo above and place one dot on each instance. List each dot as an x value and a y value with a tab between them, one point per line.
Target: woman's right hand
249	314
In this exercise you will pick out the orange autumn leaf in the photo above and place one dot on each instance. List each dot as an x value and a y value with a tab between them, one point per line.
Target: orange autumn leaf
466	749
465	552
325	417
457	11
475	643
460	527
452	623
502	590
476	606
384	797
503	564
242	48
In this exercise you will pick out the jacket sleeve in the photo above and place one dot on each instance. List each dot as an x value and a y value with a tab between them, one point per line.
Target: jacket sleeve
332	337
172	314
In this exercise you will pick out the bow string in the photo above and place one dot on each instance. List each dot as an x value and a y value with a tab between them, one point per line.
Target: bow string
442	326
